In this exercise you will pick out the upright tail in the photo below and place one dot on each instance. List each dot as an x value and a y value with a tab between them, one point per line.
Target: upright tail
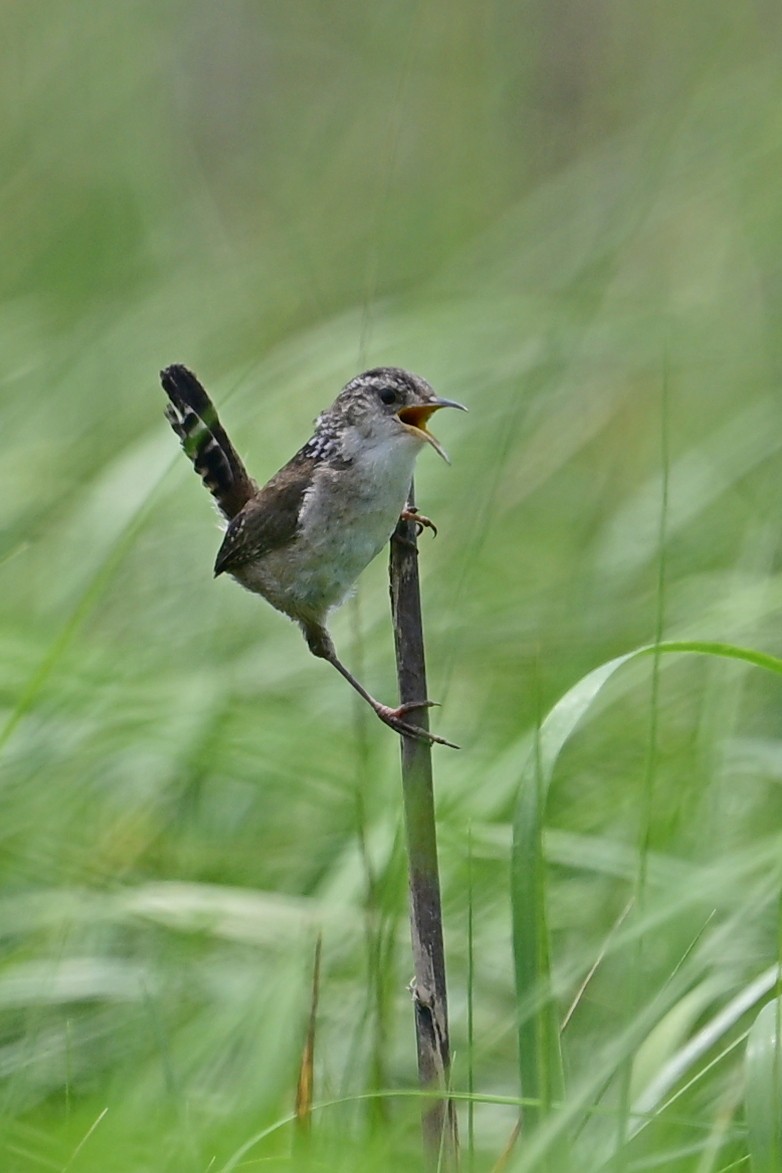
193	417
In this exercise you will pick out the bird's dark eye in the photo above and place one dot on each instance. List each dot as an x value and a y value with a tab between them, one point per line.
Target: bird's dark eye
387	394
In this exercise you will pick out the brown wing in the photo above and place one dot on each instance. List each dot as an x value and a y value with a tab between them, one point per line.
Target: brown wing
270	519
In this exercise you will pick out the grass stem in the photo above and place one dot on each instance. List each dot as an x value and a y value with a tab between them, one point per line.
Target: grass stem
428	987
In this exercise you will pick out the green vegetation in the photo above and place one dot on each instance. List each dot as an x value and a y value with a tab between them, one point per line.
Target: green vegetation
568	217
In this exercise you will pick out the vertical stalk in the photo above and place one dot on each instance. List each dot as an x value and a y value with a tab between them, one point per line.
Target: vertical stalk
430	1001
306	1082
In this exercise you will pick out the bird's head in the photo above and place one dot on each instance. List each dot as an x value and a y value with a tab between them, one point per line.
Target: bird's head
393	403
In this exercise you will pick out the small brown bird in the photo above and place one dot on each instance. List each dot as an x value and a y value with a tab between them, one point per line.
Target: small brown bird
302	540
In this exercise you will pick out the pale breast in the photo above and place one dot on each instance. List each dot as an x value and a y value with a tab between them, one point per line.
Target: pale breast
347	517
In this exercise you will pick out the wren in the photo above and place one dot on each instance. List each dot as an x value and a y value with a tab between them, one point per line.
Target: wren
302	539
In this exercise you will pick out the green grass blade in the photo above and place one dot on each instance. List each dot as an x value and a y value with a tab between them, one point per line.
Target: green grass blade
541	1069
763	1091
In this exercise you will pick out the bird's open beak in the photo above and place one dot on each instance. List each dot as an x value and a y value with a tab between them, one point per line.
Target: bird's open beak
415	418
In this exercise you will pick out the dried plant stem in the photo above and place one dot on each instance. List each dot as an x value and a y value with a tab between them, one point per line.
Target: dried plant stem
428	988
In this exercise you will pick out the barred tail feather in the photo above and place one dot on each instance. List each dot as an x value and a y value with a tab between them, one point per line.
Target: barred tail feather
193	417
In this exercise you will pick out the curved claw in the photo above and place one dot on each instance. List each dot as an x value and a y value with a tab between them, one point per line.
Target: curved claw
411	706
418	519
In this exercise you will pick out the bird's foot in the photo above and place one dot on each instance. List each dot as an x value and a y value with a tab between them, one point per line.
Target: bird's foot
320	644
395	719
410	513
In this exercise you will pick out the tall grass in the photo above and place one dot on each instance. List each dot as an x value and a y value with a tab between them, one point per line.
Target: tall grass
552	212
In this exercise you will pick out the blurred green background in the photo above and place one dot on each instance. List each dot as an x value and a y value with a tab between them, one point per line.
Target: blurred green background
566	216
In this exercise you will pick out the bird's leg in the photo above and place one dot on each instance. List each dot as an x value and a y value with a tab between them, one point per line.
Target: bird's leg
410	513
320	644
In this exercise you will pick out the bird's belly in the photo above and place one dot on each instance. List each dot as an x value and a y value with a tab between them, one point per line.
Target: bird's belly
343	526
